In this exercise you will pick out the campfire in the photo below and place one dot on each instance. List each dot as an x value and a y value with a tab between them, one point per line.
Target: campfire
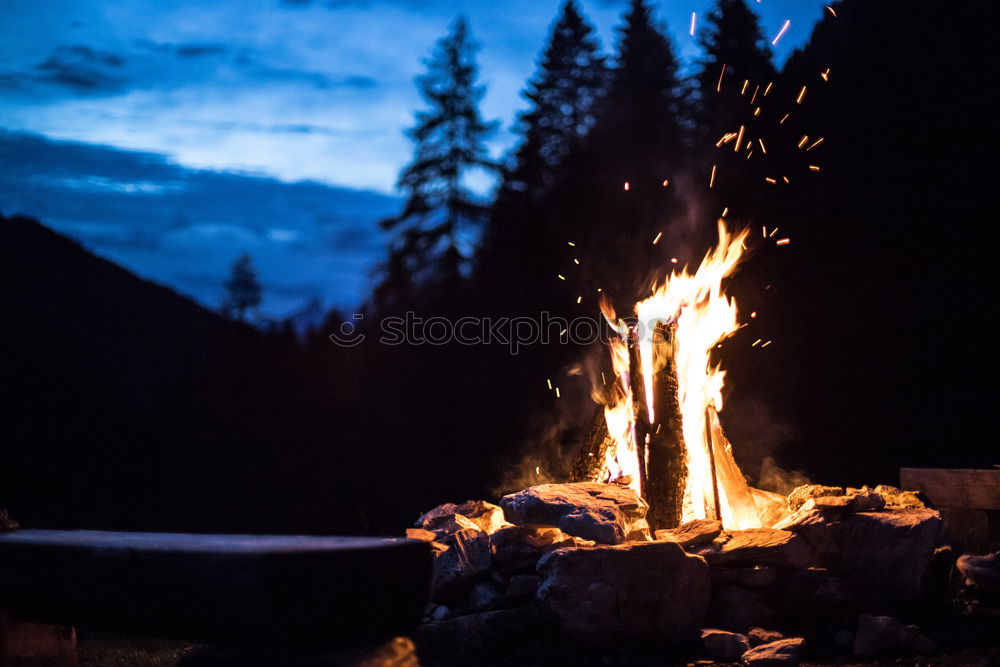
658	535
662	436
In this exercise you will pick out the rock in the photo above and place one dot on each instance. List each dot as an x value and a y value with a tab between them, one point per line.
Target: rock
485	595
760	546
468	555
546	538
421	534
722	645
449	518
827	503
692	533
477	638
865	500
737	609
511	552
983	572
651	589
7	524
440	613
640	532
812	602
771	507
897	499
523	586
803	493
781	653
814	526
758	636
604	513
882	635
751	577
884	555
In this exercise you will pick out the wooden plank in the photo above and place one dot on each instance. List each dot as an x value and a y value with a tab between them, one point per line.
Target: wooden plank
955	487
267	588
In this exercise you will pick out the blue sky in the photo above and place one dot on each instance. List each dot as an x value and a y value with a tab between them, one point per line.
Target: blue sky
291	97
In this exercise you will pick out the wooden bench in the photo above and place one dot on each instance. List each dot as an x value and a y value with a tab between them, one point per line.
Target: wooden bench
277	591
968	499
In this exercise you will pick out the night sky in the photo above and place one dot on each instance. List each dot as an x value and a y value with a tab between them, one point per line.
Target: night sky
171	137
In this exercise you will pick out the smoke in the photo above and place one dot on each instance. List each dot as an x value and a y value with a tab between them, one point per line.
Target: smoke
773	478
557	432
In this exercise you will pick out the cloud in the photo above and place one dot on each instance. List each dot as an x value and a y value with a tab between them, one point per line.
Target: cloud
76	67
160	219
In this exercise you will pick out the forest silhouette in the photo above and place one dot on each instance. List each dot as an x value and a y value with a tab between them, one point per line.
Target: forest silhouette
871	149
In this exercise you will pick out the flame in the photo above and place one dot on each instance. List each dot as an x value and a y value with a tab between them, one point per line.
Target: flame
701	315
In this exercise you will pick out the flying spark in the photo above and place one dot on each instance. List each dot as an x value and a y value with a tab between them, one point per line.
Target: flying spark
626	186
657	239
815	144
804	140
739	140
813	167
693	18
782	121
761	141
561	276
718	86
802	94
781	32
711	180
782	242
828	8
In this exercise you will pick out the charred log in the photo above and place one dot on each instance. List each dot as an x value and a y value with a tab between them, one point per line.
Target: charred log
590	461
666	471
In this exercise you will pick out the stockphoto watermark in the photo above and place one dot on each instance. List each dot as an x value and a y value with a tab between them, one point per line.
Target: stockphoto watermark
512	332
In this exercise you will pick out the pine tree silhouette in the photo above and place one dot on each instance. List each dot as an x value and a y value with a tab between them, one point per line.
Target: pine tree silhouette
564	93
736	88
243	292
440	215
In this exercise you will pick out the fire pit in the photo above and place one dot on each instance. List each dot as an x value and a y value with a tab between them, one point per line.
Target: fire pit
658	540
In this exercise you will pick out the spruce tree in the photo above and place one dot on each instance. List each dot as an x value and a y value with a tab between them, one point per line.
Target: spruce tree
243	292
440	213
736	88
563	93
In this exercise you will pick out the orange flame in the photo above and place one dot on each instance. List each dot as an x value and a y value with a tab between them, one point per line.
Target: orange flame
703	316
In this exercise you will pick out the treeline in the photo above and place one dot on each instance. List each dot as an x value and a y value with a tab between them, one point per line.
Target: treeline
871	150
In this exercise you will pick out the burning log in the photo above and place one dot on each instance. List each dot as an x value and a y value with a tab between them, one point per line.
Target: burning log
665	466
589	463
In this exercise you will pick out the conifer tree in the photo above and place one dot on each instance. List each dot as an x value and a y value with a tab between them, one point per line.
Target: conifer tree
243	292
440	214
564	94
734	91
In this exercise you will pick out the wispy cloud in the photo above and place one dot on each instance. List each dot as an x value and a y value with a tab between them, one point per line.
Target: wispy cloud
160	219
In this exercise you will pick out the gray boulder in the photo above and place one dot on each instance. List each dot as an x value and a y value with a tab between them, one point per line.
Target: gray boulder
604	513
884	555
467	555
651	589
884	635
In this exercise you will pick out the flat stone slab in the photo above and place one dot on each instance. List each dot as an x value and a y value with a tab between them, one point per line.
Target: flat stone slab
266	588
760	546
692	533
604	513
